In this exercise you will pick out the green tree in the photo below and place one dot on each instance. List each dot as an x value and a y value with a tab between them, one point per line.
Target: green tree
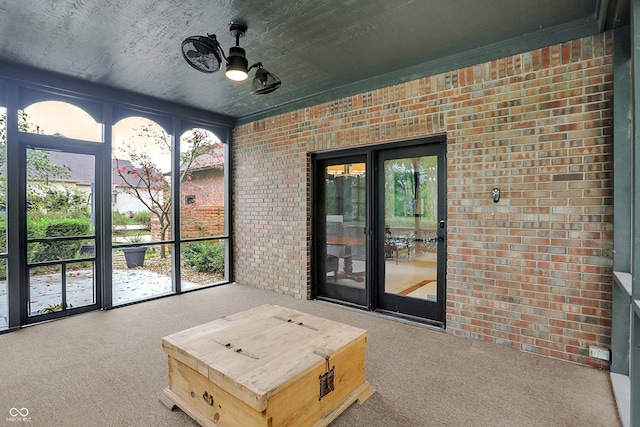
39	165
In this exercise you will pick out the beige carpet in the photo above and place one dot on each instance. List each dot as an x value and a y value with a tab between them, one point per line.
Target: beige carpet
107	369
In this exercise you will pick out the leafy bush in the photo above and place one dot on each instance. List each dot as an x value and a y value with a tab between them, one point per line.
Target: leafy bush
119	219
205	256
45	227
3	235
142	217
51	201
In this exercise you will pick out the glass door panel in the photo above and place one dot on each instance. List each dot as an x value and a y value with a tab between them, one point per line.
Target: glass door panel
412	232
342	244
60	231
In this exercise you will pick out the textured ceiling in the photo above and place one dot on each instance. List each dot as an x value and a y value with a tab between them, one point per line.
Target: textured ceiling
321	50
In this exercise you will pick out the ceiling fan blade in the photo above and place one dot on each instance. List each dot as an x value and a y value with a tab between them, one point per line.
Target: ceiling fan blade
202	48
202	53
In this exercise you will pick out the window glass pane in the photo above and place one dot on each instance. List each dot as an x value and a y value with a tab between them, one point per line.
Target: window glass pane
141	210
203	263
59	287
45	290
139	273
345	245
58	118
202	158
411	207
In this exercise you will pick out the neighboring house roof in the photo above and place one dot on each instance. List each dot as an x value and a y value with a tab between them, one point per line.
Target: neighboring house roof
211	160
83	173
116	179
208	161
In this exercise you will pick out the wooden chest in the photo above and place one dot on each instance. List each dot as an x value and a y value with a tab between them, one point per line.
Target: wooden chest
268	366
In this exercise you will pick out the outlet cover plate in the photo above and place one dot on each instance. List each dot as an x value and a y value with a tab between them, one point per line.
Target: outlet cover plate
598	352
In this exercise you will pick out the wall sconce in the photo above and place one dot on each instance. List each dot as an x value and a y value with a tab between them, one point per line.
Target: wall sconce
495	195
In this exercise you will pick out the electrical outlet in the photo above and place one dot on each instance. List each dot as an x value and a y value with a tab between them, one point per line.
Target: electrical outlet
598	352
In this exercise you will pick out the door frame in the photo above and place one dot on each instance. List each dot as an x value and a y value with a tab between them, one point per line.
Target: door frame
373	224
60	144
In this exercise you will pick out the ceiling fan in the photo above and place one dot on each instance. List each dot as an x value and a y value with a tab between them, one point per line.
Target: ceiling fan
205	54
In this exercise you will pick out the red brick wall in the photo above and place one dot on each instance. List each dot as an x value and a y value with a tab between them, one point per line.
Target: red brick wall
207	186
532	272
205	216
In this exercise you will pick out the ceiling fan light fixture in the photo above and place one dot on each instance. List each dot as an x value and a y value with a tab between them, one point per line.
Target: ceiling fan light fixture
237	65
205	54
264	82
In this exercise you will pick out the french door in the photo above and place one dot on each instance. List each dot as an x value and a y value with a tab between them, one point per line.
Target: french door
380	228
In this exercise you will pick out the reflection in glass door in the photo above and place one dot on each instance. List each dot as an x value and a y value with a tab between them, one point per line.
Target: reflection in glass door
413	229
341	224
60	233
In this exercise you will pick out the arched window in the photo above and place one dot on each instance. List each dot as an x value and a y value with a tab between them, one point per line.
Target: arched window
202	208
202	163
57	118
141	206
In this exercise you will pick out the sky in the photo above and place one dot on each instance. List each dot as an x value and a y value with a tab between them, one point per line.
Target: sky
53	117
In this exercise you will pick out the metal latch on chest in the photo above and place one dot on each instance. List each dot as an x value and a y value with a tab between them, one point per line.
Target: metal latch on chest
326	379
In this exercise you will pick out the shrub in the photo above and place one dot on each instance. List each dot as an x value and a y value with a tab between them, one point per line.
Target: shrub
3	235
45	227
205	256
50	201
142	217
48	227
119	219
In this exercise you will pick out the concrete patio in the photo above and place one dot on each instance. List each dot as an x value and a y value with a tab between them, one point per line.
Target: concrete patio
128	285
